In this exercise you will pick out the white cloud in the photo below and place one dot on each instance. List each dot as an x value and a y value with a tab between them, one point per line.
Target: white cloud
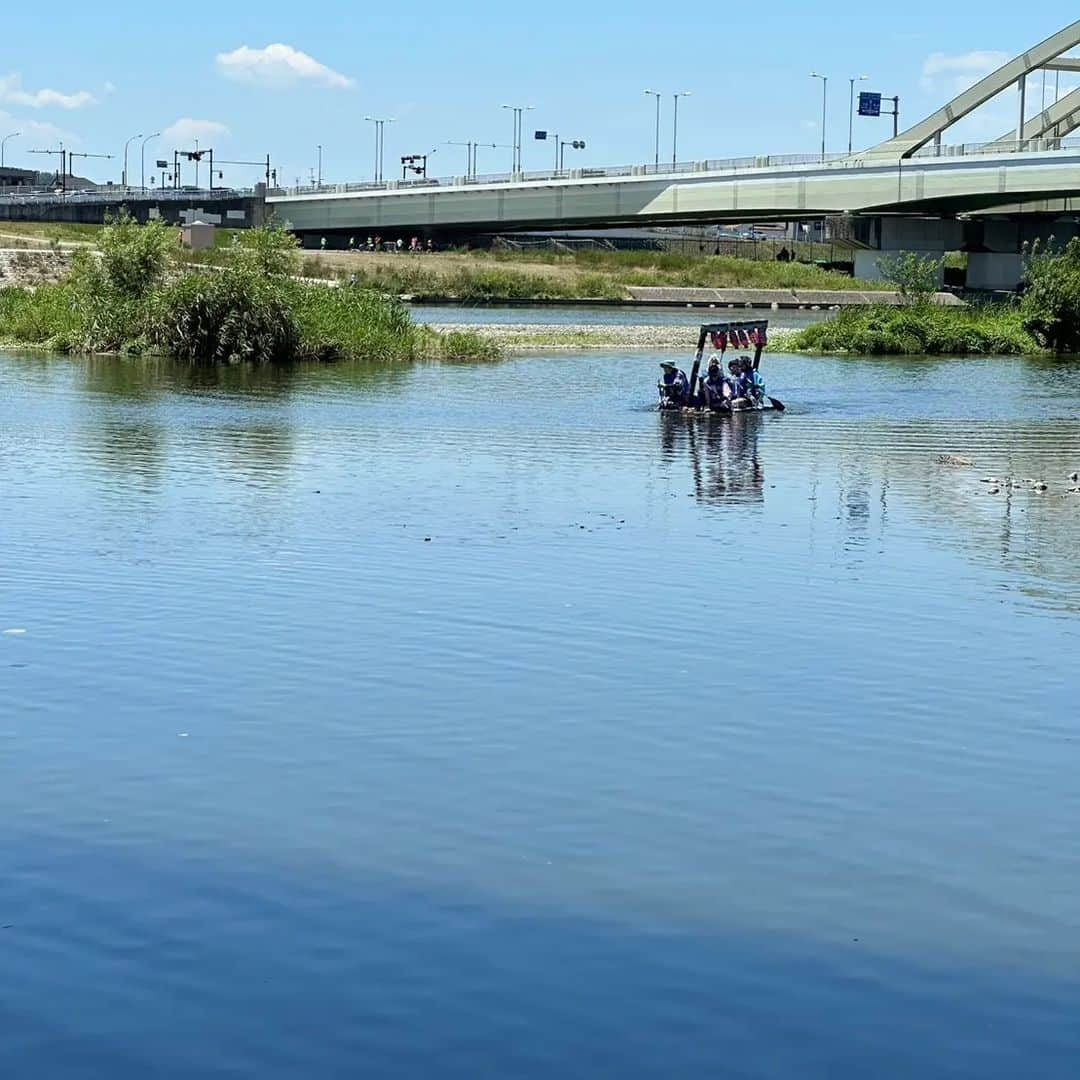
182	134
33	136
957	71
12	92
278	65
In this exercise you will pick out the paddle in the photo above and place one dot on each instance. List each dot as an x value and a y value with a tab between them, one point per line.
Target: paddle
777	404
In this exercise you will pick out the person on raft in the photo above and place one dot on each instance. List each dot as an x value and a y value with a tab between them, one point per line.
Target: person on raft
749	386
674	385
716	385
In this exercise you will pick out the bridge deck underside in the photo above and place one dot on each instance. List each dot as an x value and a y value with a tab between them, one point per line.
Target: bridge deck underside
909	187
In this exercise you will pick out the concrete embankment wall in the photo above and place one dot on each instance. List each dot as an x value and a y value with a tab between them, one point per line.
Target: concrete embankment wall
774	299
29	266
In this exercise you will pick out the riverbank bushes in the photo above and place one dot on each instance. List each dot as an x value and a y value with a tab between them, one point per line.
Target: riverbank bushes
134	297
1044	318
1051	303
920	328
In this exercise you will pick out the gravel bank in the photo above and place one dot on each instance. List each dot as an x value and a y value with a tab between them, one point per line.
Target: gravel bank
522	337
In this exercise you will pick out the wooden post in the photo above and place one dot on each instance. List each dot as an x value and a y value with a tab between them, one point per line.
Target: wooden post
697	364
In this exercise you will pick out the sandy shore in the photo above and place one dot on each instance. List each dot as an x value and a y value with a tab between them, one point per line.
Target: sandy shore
522	337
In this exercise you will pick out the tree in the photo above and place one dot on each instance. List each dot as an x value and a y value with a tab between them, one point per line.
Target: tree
915	276
1051	302
135	259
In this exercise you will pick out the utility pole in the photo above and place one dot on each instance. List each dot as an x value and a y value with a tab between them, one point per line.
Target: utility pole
824	107
851	110
468	156
1022	103
123	177
518	111
656	94
254	164
471	149
319	182
574	144
62	174
66	159
675	125
196	156
380	123
72	155
142	160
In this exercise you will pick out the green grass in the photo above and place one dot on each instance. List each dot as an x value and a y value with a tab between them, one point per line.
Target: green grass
43	232
592	278
920	330
693	271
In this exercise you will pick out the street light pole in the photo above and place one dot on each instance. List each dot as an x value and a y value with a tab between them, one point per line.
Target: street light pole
319	183
3	143
380	123
656	94
468	156
518	111
123	180
675	125
851	110
142	160
824	106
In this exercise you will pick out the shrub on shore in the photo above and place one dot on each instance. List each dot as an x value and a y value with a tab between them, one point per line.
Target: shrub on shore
920	328
1051	302
133	297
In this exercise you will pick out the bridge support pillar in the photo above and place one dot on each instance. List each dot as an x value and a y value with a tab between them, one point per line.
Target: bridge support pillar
895	236
996	249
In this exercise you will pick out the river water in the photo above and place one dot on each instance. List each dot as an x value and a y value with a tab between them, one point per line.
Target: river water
461	721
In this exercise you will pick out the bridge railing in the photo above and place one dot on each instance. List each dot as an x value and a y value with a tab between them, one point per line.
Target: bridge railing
611	171
120	195
1029	146
711	165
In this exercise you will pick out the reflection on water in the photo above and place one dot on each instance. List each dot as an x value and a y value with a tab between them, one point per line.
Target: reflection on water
479	720
722	452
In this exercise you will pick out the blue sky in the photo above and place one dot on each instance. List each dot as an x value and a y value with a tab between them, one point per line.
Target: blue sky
94	74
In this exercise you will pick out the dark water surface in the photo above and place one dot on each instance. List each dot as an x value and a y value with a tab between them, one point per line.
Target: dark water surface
479	722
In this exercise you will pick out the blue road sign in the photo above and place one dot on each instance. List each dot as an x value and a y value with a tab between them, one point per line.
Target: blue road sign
541	134
869	104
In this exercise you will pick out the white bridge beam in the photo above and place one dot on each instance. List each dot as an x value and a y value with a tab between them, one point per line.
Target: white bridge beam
1053	123
1013	73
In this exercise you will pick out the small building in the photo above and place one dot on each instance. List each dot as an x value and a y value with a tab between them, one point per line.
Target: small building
17	178
198	235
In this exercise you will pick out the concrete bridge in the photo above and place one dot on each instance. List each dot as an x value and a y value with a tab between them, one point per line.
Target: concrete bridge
894	199
913	192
